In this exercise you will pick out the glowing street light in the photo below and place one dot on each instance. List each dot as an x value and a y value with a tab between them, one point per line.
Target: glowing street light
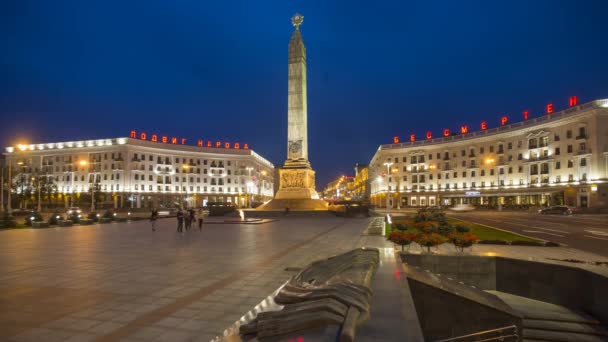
388	172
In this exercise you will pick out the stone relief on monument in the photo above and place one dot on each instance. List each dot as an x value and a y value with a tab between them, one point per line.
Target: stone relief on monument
295	149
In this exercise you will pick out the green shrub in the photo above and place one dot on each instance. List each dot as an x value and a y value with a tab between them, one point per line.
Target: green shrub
462	229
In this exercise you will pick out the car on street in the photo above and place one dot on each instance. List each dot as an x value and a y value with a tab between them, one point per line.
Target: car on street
73	210
166	212
463	207
557	210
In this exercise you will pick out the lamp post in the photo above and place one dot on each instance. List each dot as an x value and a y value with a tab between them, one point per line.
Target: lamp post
37	180
248	184
398	181
181	187
388	173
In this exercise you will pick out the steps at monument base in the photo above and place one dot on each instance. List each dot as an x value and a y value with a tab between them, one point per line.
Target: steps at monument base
550	322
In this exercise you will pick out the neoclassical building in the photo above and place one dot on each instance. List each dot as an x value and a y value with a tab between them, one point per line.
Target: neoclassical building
558	158
136	173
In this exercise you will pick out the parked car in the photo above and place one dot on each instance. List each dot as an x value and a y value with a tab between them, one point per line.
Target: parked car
557	210
166	212
462	207
73	210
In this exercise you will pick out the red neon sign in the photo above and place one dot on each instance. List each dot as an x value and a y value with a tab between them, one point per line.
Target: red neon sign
526	114
395	140
504	120
484	125
573	101
464	129
183	141
446	132
550	108
429	135
412	137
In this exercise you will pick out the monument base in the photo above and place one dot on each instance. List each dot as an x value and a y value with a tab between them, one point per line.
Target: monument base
296	190
294	205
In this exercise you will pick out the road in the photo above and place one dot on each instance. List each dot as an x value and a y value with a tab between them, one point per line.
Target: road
585	232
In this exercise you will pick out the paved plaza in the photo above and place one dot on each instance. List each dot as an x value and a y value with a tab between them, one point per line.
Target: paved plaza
124	282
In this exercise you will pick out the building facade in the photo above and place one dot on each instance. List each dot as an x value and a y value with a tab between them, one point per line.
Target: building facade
361	183
560	158
339	189
135	173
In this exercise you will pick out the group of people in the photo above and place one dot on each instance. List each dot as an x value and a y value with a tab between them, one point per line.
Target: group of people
185	218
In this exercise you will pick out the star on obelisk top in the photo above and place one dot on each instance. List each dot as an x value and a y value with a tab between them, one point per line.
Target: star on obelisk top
297	20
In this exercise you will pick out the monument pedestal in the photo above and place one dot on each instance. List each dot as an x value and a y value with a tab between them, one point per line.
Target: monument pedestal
296	190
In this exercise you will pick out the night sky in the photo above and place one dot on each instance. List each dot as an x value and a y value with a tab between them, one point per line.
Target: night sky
72	70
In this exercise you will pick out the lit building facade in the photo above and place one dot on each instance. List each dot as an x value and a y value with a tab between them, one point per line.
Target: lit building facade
361	183
339	189
558	158
136	173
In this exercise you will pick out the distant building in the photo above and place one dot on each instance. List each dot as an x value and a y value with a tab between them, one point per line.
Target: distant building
135	173
361	188
559	158
339	189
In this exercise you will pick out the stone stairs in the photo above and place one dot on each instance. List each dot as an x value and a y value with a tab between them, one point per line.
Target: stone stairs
375	227
549	322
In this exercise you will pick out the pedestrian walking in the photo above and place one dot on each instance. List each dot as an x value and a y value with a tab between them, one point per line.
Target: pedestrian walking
188	219
200	217
180	221
153	218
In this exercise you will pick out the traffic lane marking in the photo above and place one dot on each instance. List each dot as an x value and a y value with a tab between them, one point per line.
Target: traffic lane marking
597	232
539	232
595	237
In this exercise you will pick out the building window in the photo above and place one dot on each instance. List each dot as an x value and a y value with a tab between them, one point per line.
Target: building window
556	137
584	177
569	134
557	151
558	165
491	172
569	148
583	162
581	133
582	147
520	169
483	173
510	170
491	149
481	150
570	164
544	142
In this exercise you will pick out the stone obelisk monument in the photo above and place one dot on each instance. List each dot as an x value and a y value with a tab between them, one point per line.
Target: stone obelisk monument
296	178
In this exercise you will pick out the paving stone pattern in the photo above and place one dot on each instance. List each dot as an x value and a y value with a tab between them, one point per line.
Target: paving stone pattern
125	282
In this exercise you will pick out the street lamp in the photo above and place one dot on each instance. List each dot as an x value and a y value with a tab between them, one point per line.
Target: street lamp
181	187
38	186
388	172
249	184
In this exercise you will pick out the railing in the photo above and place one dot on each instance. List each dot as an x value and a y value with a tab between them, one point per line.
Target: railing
508	333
